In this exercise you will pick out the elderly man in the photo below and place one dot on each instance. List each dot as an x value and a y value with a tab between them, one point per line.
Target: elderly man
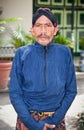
43	81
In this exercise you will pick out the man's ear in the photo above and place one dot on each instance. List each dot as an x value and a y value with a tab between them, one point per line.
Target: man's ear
56	31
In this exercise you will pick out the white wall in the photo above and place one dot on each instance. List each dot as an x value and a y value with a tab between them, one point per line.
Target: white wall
18	8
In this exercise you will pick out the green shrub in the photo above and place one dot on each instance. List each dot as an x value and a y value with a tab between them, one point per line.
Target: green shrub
81	43
81	121
20	38
4	29
64	41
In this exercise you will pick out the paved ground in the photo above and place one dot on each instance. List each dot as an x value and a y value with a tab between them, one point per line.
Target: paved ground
8	115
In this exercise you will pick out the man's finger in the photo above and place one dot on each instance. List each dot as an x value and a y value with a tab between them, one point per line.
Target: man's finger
50	126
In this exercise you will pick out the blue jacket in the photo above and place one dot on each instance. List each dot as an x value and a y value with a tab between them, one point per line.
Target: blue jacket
42	79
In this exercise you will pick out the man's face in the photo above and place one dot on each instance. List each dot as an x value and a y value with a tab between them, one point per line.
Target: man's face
43	30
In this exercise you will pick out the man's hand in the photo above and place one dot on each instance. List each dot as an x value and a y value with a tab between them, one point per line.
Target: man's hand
48	126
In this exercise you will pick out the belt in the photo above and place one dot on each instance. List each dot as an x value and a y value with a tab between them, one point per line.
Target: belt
41	115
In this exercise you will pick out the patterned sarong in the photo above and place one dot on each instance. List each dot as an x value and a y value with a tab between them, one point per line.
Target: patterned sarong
21	126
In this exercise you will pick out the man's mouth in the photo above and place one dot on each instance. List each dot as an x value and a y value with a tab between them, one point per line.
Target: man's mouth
43	36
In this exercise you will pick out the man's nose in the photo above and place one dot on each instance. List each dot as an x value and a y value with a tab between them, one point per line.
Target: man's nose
43	29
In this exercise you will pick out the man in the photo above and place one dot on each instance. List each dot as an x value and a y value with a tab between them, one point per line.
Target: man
43	81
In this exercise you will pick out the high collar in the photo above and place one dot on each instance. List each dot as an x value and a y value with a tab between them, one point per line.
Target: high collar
39	45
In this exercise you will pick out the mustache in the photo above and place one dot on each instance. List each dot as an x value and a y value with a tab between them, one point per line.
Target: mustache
43	35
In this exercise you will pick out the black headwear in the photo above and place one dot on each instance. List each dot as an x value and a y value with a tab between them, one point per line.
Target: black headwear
44	11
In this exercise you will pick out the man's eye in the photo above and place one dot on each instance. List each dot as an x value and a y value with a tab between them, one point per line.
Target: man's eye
48	25
37	25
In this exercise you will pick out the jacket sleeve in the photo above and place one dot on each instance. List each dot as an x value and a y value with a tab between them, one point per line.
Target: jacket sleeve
16	95
70	93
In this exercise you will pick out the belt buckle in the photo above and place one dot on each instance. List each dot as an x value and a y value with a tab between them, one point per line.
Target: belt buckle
40	114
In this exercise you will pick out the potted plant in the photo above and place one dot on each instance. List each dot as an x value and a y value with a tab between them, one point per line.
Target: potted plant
5	59
18	38
81	45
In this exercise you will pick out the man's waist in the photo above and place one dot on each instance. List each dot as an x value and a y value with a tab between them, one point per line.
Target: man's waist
41	115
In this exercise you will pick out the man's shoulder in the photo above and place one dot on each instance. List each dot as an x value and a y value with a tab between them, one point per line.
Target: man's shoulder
23	51
24	48
61	47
